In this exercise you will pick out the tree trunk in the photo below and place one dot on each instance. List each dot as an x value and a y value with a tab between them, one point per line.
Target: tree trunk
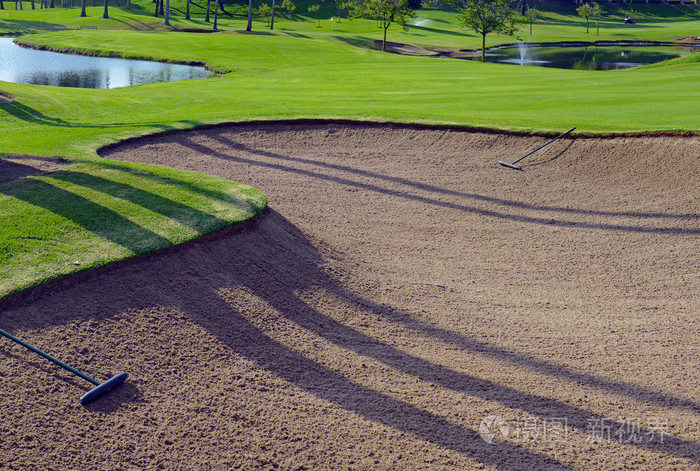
167	13
272	16
483	47
105	16
386	26
208	10
82	9
250	16
187	15
216	13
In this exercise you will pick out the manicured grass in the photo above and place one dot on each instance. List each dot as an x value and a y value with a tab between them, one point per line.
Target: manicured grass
99	211
277	76
93	213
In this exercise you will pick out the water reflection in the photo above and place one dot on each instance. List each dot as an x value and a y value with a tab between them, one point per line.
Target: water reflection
22	65
585	58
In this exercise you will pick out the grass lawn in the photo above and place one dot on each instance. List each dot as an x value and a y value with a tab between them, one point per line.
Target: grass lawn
299	70
93	213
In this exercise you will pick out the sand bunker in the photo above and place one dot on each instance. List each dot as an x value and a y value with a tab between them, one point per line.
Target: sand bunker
404	303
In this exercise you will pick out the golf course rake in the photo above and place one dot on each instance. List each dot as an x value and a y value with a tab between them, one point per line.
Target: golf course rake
98	391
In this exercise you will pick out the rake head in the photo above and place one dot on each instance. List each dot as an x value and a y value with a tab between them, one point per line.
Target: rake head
513	166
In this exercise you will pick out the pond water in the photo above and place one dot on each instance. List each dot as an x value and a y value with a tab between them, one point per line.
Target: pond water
585	58
22	65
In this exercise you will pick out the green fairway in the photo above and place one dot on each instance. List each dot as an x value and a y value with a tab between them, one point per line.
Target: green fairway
297	71
324	75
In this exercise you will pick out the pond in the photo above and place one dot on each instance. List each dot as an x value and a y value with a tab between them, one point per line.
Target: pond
23	65
585	57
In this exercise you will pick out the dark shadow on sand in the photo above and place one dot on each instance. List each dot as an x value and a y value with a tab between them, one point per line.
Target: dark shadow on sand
287	164
275	261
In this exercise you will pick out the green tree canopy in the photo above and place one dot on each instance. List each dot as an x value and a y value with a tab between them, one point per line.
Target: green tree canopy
585	11
386	11
488	16
531	14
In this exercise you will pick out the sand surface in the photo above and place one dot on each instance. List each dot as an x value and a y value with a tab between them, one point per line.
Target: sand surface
403	303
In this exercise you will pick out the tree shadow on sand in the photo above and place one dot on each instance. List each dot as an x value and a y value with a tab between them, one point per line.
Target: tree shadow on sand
432	195
275	261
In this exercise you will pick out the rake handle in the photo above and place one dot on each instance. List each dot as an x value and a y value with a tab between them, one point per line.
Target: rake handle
544	145
50	358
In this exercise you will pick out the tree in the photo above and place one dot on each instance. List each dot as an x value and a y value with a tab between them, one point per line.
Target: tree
488	16
531	14
341	8
289	7
272	16
250	16
105	15
216	14
187	13
596	14
585	11
264	10
315	9
386	11
82	8
167	12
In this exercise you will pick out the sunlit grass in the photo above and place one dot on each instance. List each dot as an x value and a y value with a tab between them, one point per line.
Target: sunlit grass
94	213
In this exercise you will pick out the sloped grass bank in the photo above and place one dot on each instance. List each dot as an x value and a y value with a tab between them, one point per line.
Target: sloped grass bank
98	212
